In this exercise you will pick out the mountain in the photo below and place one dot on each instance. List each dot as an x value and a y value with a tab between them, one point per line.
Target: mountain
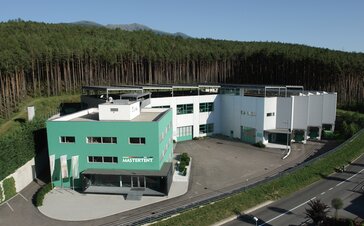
130	27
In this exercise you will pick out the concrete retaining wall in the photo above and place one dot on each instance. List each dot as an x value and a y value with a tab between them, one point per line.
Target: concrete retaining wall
24	175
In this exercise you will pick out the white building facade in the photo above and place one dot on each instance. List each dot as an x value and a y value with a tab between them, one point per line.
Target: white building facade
267	114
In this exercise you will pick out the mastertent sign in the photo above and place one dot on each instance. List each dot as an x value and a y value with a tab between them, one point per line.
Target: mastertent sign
137	159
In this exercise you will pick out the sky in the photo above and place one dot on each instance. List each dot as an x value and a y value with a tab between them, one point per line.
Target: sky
329	24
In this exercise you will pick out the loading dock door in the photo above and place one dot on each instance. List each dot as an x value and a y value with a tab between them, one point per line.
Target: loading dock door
184	133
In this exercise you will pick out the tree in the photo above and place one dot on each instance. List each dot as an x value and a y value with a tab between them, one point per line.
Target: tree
337	204
317	211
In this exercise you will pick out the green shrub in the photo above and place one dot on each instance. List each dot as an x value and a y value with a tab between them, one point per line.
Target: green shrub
39	196
181	167
9	188
185	158
259	144
17	147
184	172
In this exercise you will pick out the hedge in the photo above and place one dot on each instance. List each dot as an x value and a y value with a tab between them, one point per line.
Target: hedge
1	193
17	147
9	188
275	189
40	194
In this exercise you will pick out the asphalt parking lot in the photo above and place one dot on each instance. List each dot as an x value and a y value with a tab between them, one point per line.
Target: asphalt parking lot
216	164
221	163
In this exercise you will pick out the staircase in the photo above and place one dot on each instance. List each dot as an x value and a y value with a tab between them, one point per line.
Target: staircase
135	194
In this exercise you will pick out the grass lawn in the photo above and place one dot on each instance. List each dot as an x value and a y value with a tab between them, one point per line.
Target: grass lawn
44	107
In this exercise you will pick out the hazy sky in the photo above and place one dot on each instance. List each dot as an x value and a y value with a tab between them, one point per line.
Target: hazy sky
330	24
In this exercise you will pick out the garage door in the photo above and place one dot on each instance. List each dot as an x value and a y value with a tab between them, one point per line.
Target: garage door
184	133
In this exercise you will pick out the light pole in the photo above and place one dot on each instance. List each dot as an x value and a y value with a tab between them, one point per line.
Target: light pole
256	221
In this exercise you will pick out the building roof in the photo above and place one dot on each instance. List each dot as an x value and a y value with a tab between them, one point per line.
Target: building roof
92	114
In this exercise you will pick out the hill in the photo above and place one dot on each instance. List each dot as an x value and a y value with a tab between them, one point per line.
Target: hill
130	27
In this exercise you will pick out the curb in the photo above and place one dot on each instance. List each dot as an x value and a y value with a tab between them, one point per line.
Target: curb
226	220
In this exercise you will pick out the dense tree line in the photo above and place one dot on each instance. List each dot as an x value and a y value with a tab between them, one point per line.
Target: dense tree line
51	59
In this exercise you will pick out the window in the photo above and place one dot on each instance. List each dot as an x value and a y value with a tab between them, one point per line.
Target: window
184	131
114	109
206	107
184	109
206	128
164	106
270	114
137	140
67	139
103	159
101	140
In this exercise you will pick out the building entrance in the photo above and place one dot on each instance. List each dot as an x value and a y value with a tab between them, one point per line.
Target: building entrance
138	181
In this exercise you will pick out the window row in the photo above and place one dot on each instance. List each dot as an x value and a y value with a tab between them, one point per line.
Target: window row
188	108
206	107
103	159
184	109
206	128
163	106
270	114
184	131
102	140
165	131
166	148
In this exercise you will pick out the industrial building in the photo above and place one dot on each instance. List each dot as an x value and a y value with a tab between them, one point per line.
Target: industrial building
124	138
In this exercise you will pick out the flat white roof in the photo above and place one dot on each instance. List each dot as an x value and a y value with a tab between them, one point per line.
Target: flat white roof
92	114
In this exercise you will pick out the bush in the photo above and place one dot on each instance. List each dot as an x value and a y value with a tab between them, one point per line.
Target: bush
17	147
39	196
9	188
181	167
259	144
185	158
184	172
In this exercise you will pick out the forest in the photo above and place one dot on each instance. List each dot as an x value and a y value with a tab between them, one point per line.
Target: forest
39	59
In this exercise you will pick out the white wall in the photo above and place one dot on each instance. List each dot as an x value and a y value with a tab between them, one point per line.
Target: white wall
230	115
24	175
300	109
270	105
195	119
124	111
314	113
329	108
284	112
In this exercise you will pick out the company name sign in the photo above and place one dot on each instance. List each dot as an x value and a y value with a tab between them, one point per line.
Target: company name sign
137	159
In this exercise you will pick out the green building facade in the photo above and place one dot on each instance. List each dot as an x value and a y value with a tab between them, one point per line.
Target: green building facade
114	156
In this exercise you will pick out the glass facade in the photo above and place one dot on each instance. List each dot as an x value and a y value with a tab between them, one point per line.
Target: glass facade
207	128
184	109
206	107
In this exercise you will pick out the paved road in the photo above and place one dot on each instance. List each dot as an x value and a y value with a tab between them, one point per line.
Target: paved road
349	186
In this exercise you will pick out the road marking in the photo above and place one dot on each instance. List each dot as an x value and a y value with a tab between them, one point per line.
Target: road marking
322	193
10	206
331	189
308	200
23	196
288	211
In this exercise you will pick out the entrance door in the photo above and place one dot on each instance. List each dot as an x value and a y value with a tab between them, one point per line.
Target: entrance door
138	182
